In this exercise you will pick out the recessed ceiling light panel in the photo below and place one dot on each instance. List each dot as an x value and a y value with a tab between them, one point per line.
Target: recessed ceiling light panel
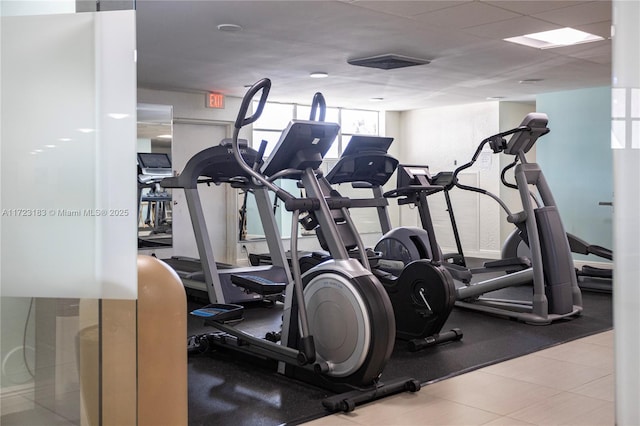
555	38
318	74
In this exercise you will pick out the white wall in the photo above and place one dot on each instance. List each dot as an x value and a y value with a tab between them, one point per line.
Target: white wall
443	139
625	142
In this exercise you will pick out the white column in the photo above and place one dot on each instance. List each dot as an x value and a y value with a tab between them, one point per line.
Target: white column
626	165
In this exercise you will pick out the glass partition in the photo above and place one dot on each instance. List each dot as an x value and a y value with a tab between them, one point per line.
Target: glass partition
68	211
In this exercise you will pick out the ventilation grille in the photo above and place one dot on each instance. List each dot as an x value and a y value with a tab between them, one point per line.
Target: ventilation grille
388	62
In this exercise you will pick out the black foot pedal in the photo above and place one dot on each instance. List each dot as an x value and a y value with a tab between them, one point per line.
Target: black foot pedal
257	284
219	312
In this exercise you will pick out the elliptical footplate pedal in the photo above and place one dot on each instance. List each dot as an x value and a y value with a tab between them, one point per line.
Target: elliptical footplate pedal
219	312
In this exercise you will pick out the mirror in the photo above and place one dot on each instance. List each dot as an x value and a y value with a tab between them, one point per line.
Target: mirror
154	164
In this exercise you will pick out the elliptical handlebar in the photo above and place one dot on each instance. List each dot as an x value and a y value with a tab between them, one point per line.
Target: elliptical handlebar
497	143
242	120
503	174
319	106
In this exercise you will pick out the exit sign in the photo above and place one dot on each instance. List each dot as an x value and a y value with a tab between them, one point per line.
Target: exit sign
215	100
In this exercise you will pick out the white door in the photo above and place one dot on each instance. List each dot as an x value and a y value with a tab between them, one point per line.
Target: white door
189	139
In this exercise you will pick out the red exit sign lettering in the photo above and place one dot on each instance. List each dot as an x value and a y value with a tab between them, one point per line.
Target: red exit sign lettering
215	100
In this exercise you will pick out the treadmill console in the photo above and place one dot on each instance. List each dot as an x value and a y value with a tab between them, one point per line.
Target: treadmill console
154	164
413	176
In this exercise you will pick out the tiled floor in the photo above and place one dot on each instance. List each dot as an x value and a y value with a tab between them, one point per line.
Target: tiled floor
570	384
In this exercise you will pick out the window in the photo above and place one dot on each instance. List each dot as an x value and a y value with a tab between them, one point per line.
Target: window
274	119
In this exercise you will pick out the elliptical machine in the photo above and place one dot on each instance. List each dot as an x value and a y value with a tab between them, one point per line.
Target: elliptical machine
515	253
556	294
517	243
338	327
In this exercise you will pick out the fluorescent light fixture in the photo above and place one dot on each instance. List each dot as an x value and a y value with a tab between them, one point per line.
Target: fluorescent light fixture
318	74
86	130
164	136
50	146
555	38
64	139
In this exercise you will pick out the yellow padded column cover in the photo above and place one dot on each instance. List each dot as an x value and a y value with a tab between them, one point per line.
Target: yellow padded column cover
162	345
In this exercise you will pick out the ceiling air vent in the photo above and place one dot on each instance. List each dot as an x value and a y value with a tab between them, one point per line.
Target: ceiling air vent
388	62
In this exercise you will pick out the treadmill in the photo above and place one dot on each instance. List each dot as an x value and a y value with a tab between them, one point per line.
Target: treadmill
205	276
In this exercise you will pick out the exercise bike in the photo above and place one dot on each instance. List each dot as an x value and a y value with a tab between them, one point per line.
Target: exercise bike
338	327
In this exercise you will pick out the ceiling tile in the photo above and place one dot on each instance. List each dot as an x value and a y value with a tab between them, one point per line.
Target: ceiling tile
586	13
511	28
408	8
466	15
530	7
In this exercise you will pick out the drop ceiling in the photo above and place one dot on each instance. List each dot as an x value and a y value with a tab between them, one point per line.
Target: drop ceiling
180	48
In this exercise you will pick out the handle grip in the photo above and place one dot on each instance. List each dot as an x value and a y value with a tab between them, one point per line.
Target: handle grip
264	85
258	163
318	105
